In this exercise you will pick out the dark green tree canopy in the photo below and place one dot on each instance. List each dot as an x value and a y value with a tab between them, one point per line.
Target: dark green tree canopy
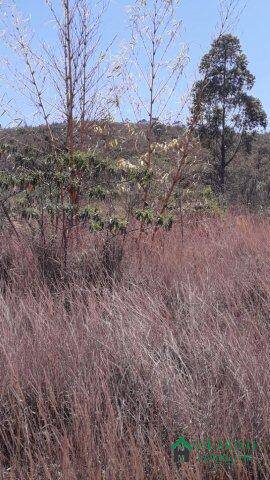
228	114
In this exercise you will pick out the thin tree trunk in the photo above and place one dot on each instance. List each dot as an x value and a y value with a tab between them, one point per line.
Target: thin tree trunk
69	97
222	169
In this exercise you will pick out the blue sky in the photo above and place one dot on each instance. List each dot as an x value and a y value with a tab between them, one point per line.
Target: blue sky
199	20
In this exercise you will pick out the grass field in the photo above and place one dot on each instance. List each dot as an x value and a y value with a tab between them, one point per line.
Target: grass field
103	367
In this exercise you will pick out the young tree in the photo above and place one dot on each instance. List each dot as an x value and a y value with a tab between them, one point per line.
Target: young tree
64	83
228	115
151	68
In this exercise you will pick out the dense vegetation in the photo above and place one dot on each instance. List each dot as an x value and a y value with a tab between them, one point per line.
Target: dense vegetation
103	366
134	255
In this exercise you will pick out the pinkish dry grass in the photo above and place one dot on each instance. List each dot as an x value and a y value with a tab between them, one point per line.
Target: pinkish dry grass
99	377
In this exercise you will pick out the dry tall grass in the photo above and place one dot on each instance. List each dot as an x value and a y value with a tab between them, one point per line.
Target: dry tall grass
99	377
